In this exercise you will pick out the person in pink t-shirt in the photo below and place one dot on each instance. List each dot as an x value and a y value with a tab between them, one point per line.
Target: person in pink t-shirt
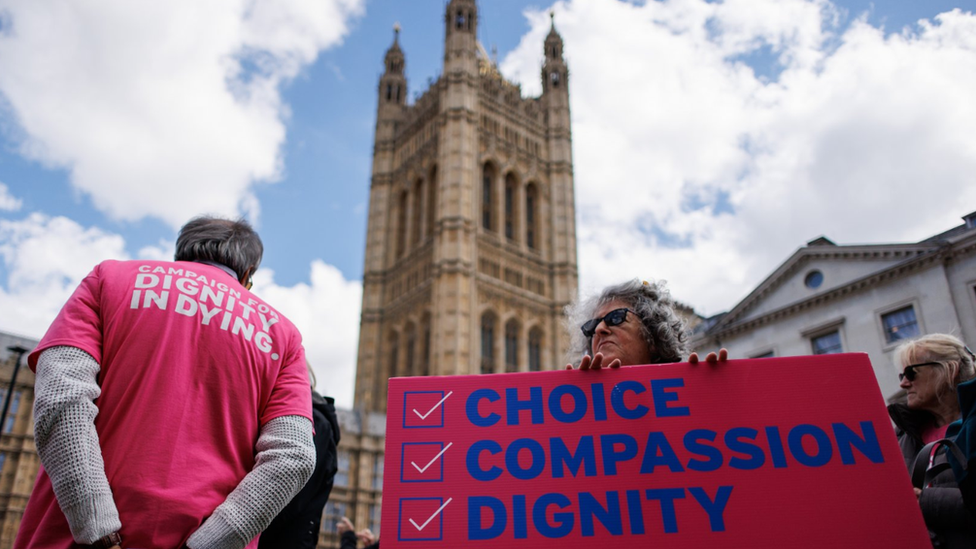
172	405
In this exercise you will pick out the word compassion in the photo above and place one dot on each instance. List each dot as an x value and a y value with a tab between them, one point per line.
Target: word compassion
613	454
214	303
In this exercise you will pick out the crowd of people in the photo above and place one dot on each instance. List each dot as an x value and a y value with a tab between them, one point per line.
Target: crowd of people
175	433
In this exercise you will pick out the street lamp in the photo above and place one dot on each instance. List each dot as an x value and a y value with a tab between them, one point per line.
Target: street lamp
20	351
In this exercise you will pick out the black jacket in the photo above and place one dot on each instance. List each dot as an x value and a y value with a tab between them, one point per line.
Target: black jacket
950	523
348	540
297	525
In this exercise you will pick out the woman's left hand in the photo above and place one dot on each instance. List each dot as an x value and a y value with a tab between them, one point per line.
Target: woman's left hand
596	363
711	358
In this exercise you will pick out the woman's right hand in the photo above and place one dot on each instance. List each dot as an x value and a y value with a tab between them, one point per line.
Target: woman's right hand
366	536
344	525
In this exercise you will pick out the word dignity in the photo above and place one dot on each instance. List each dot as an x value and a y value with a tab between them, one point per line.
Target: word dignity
187	293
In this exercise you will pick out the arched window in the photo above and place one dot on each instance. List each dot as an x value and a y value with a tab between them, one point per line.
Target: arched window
401	236
459	20
487	343
511	345
470	18
397	93
411	336
531	216
510	190
392	357
389	92
432	201
425	357
535	350
487	196
416	224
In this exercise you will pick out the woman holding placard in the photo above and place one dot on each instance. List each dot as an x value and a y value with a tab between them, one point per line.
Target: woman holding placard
930	369
629	324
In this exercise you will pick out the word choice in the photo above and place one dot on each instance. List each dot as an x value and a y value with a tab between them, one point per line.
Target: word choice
663	399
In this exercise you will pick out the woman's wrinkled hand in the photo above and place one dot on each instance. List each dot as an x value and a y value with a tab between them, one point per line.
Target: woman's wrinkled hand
344	525
711	358
595	362
366	536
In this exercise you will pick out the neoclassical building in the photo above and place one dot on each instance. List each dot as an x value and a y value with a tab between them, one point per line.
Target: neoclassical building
830	298
471	238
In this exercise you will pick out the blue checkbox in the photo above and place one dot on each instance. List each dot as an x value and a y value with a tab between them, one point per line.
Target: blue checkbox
423	461
421	519
424	409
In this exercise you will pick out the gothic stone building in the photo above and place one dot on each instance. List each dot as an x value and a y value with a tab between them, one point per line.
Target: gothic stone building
18	456
471	239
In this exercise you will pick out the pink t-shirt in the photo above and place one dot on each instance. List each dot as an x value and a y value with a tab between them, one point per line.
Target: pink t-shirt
192	365
933	433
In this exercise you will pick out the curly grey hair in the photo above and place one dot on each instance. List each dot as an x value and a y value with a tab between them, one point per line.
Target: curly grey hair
661	327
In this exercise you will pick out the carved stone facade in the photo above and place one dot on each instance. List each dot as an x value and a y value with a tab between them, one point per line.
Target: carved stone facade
471	237
19	462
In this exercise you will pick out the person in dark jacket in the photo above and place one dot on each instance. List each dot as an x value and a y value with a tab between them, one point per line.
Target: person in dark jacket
931	368
297	526
348	536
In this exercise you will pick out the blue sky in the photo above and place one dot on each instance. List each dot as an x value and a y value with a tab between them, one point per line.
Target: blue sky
705	134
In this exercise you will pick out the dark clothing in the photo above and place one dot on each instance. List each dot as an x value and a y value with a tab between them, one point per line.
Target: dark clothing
949	522
348	541
297	525
964	433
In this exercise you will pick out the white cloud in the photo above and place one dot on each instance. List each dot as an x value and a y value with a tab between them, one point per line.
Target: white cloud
46	257
164	250
862	136
326	312
177	102
8	202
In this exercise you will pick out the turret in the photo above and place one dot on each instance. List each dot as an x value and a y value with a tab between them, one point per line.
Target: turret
393	83
555	75
461	36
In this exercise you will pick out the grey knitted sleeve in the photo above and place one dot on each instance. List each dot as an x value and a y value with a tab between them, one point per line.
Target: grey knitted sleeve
284	462
65	388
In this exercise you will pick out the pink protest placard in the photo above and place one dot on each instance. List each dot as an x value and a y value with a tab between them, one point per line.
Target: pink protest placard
795	452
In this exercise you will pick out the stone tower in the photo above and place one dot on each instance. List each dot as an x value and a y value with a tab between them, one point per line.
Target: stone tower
471	237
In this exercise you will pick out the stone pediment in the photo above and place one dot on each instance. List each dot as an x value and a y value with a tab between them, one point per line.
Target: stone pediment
816	270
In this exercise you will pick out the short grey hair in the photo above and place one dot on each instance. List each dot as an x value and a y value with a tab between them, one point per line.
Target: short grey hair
231	243
949	351
662	329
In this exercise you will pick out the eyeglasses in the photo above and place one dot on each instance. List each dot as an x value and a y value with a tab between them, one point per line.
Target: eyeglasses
909	372
615	317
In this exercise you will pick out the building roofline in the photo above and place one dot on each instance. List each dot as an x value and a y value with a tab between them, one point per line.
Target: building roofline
915	255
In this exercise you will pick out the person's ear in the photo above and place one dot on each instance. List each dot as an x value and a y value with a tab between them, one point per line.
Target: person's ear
246	279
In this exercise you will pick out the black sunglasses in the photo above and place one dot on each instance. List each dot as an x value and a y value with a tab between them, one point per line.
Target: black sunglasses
909	372
615	317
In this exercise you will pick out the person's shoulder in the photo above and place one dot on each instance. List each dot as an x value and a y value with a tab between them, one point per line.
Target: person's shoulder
112	267
125	265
